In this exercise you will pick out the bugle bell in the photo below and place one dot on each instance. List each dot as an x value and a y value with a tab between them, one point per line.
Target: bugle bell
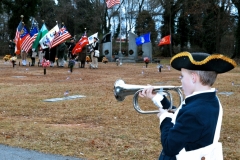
121	90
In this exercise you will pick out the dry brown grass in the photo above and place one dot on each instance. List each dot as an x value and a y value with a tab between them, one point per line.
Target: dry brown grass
97	126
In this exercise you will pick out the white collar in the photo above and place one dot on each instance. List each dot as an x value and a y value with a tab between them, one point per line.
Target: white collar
198	92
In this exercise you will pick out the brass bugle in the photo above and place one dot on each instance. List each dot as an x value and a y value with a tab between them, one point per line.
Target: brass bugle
121	90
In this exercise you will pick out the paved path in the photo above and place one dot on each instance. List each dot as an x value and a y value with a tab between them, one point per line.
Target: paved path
13	153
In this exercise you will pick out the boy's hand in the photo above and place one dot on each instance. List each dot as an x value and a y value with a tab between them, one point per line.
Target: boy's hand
147	92
161	111
155	97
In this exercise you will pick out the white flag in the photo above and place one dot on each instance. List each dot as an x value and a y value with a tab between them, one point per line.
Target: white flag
46	41
91	38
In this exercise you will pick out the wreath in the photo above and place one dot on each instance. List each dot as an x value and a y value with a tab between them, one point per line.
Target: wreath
115	52
106	52
130	51
105	60
140	53
124	53
7	57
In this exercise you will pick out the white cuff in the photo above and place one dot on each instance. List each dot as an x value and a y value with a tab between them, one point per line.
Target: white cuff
165	115
157	100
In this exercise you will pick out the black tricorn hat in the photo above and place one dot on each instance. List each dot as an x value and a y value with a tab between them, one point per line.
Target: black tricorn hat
203	62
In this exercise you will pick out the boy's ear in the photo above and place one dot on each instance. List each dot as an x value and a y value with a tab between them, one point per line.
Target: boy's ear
195	77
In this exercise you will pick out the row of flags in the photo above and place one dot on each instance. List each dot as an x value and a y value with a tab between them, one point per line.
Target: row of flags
27	40
145	38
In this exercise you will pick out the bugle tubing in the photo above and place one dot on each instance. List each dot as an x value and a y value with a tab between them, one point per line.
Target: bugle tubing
121	90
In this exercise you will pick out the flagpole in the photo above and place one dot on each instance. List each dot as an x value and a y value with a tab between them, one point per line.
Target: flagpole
22	17
170	30
120	30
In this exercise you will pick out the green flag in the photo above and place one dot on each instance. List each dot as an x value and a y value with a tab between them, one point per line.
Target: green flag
41	33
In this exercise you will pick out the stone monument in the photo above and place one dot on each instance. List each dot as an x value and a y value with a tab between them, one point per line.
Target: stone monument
132	50
147	50
107	46
132	45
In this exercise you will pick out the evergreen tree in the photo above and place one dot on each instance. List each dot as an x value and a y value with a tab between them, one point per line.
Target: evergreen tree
145	24
181	37
87	17
15	8
237	32
209	24
46	12
168	25
66	13
1	7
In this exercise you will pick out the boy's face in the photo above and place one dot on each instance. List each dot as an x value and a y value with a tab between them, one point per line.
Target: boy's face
187	81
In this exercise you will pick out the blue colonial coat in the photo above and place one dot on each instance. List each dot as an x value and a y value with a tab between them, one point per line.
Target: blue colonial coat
194	127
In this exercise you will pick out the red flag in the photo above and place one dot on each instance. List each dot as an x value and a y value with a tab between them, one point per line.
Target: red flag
17	38
165	40
111	3
80	44
61	36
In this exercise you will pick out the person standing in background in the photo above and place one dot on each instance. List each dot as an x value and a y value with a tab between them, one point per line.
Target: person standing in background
11	48
53	53
24	57
60	54
82	57
95	46
46	53
41	55
71	45
33	55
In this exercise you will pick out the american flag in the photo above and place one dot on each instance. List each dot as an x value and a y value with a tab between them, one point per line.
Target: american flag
61	36
27	44
23	36
17	38
111	3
